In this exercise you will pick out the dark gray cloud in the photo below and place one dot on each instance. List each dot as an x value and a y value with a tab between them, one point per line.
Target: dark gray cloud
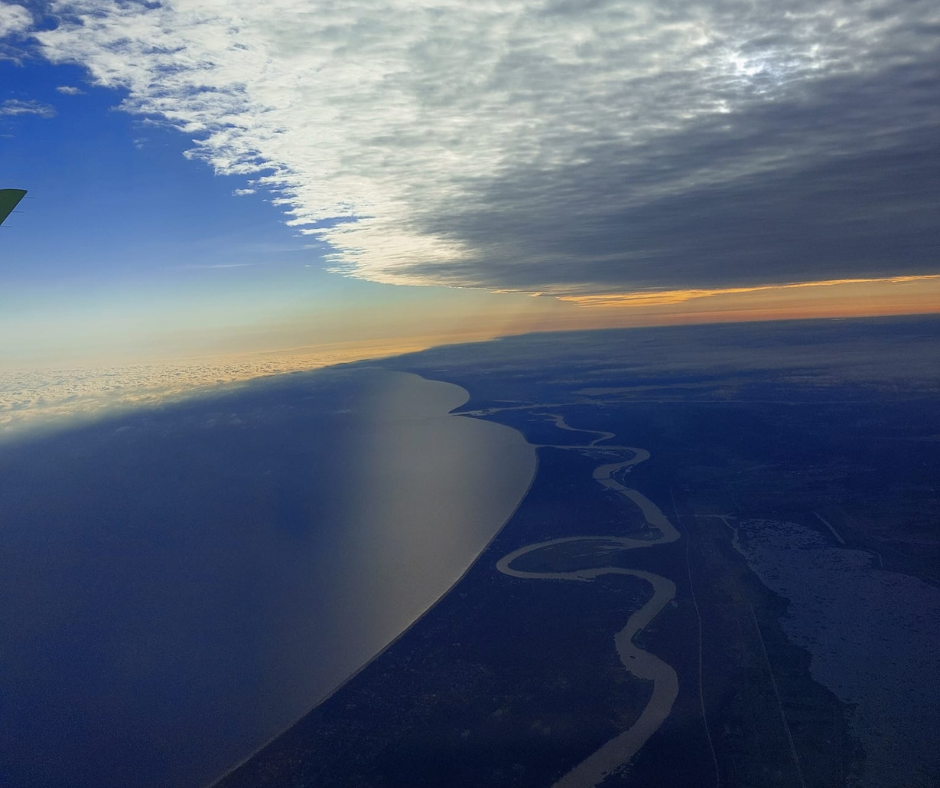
841	180
556	146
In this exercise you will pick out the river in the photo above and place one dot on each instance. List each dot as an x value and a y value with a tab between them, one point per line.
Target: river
595	769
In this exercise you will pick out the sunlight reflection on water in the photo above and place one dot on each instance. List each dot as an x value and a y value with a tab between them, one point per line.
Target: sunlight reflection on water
183	584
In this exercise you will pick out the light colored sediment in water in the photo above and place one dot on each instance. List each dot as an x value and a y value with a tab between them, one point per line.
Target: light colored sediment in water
306	523
603	434
619	750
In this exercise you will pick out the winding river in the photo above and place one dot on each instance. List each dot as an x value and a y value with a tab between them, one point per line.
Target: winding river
640	663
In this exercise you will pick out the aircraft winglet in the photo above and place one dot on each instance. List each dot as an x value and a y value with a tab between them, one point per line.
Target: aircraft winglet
9	199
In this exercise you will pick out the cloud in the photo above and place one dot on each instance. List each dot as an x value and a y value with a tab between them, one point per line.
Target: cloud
40	399
70	90
14	19
15	23
243	192
544	145
662	297
16	107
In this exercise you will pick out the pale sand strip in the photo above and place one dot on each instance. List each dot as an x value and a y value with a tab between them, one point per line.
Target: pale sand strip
619	750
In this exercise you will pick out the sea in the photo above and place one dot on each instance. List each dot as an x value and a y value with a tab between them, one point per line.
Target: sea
180	584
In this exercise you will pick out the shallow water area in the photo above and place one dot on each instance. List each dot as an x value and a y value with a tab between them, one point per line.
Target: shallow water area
873	638
179	585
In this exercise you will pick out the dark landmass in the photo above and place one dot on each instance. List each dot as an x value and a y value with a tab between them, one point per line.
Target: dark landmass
828	428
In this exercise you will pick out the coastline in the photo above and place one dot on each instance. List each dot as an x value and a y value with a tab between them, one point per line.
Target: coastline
306	522
220	781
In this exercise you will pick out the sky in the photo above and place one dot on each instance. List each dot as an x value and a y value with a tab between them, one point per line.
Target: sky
211	179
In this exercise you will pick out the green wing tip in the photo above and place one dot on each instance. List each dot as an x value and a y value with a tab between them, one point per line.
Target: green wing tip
9	199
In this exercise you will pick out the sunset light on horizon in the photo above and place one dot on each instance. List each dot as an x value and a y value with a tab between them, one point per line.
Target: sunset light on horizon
209	183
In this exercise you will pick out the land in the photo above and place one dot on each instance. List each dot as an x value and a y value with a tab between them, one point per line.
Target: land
821	439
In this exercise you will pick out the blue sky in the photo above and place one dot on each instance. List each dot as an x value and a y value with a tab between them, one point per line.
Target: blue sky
115	212
126	249
117	219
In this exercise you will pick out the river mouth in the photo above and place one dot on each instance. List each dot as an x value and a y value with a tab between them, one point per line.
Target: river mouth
183	584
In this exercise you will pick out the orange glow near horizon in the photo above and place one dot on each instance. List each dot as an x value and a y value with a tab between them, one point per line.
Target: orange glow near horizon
287	348
839	298
663	297
314	338
869	297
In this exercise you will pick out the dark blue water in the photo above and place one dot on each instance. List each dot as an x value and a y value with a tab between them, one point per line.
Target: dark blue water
179	585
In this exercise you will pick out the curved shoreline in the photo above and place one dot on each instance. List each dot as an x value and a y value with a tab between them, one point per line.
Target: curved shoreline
219	781
642	664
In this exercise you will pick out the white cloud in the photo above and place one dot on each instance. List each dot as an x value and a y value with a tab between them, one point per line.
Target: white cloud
243	192
16	107
70	90
54	398
14	19
390	115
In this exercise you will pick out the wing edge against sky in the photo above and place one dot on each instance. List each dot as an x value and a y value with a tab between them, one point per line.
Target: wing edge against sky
9	199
